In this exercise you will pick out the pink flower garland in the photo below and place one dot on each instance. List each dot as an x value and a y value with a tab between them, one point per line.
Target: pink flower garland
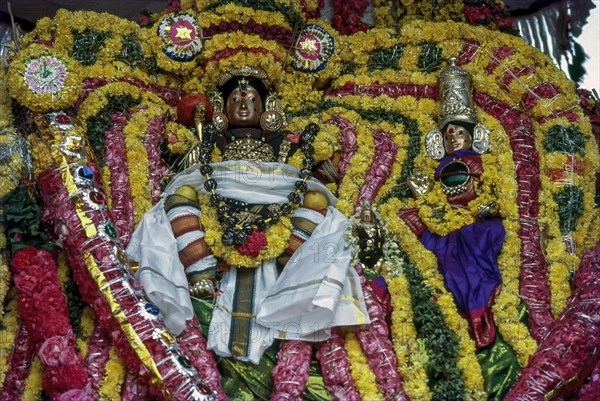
390	89
348	14
19	366
135	387
590	390
533	280
116	161
375	341
381	167
96	359
193	344
572	349
348	142
156	165
290	375
335	368
43	308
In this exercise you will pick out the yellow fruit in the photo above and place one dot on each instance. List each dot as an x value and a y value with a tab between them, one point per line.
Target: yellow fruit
315	200
187	192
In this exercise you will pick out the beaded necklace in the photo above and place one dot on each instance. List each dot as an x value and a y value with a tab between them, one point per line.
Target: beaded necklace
236	231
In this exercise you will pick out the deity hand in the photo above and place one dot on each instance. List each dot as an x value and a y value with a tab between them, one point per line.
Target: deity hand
420	184
488	211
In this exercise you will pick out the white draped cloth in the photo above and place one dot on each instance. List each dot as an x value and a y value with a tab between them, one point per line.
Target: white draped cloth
317	289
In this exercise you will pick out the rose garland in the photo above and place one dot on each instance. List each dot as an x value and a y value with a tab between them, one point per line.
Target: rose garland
45	315
290	375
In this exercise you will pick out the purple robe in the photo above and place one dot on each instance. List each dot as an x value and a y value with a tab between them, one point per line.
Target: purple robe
468	260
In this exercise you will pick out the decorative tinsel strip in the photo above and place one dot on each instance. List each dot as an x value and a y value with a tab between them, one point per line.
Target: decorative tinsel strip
290	375
116	161
534	282
19	364
571	350
335	366
381	167
375	341
106	285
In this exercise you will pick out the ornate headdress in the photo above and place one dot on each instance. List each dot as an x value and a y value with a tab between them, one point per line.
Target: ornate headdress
456	96
273	118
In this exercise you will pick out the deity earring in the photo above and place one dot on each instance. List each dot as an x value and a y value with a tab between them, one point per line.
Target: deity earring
219	120
273	119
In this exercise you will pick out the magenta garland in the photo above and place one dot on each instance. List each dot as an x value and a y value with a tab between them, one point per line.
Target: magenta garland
19	365
335	367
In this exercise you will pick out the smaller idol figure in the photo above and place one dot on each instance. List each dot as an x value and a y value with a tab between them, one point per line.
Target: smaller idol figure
468	256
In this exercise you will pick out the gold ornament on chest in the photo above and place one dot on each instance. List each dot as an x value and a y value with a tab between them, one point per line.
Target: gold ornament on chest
249	149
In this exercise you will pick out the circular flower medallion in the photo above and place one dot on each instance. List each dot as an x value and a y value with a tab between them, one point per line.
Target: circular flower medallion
46	74
181	36
313	48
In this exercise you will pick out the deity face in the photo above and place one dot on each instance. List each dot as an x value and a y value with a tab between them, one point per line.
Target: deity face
366	216
244	108
456	138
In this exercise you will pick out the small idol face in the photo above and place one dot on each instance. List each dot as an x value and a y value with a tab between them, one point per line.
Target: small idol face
244	108
456	138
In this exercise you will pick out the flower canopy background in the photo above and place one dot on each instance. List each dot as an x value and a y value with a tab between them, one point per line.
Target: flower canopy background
117	83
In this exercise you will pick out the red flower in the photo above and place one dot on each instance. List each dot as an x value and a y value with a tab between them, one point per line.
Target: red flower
254	244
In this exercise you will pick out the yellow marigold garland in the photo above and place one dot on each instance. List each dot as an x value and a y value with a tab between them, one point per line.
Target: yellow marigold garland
114	375
361	373
404	336
10	323
33	384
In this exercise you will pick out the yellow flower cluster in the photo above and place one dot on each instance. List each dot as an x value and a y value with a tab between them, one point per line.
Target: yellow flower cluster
411	362
180	138
34	95
33	384
277	238
361	373
8	332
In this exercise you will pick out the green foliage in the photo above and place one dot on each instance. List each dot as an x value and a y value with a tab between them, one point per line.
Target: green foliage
74	303
22	220
349	67
430	58
132	54
381	59
570	207
564	140
86	44
101	122
442	346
